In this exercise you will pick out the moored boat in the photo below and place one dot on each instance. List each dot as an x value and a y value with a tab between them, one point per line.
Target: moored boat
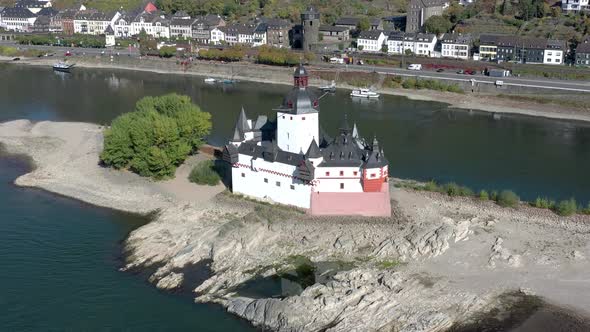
210	80
62	66
364	93
329	88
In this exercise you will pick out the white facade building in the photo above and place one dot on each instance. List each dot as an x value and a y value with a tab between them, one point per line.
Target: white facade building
154	24
18	19
416	43
554	52
93	22
456	46
292	162
574	5
217	36
371	41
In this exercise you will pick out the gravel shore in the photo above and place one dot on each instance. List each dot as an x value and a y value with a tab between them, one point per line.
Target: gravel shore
436	261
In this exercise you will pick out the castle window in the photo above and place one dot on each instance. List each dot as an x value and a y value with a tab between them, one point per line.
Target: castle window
292	187
341	173
373	175
243	175
303	118
341	185
355	173
265	180
327	173
291	118
278	184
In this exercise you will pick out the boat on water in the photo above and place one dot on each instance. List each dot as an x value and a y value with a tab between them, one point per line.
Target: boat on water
210	80
364	93
329	88
62	66
229	81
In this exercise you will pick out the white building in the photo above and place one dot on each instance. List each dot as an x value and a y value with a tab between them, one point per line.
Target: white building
554	52
456	46
18	19
181	25
371	41
154	24
94	22
109	35
247	34
416	43
292	162
122	25
217	36
574	5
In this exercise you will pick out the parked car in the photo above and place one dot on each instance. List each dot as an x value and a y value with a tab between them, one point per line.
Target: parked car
460	71
68	53
15	59
415	66
440	70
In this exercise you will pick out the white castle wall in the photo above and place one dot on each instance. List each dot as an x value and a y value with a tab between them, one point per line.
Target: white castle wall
252	182
296	131
331	182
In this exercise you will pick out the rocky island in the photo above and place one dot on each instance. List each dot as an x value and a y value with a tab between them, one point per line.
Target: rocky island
437	261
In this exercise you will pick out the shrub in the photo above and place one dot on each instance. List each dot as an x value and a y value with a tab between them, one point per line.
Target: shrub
432	186
508	198
453	189
543	203
205	173
586	210
155	138
483	195
277	56
566	207
494	195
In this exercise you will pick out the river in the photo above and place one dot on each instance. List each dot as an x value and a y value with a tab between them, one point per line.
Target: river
60	257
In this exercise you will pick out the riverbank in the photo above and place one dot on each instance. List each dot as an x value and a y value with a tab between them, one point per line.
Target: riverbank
436	261
282	75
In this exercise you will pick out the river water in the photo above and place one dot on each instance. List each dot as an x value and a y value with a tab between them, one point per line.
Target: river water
60	257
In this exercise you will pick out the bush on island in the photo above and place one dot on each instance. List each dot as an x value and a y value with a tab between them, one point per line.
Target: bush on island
205	173
567	207
155	138
507	198
483	195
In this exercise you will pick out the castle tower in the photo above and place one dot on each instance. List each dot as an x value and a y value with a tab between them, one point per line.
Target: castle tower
375	169
310	21
298	116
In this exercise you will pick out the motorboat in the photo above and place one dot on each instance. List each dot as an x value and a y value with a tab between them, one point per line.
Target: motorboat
329	88
210	80
62	66
364	93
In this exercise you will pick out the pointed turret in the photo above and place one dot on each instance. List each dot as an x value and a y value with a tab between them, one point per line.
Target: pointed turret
242	123
375	145
314	151
355	131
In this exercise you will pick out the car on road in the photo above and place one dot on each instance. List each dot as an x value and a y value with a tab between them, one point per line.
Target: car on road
460	71
415	66
15	59
440	70
68	53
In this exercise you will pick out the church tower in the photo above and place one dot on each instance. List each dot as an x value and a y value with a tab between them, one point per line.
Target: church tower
310	21
298	116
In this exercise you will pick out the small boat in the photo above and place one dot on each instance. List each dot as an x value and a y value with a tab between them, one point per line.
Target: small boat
364	93
228	81
329	88
62	66
210	80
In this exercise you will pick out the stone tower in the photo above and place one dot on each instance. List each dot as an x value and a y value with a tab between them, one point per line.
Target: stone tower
310	21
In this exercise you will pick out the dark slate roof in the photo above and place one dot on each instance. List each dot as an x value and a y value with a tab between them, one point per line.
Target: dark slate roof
48	11
109	30
333	28
242	29
375	158
17	12
275	23
453	38
42	20
29	4
181	14
300	101
371	34
313	151
343	151
428	3
300	71
583	48
269	151
181	21
352	21
488	39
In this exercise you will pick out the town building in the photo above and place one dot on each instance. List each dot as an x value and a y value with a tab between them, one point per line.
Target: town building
217	36
42	24
414	43
488	46
371	41
420	10
94	22
203	25
456	46
573	6
1	22
239	34
292	161
352	23
122	26
332	33
109	35
181	25
277	32
310	25
18	19
528	50
33	6
65	19
154	24
583	53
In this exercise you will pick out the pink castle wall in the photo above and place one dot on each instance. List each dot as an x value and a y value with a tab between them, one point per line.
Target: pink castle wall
369	204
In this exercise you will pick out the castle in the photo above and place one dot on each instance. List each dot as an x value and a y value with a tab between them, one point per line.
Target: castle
293	161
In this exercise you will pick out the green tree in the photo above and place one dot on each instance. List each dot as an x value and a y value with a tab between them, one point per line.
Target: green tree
155	138
167	51
363	24
437	24
384	48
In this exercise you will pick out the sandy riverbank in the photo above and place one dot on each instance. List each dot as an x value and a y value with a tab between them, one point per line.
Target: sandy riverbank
456	254
282	75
